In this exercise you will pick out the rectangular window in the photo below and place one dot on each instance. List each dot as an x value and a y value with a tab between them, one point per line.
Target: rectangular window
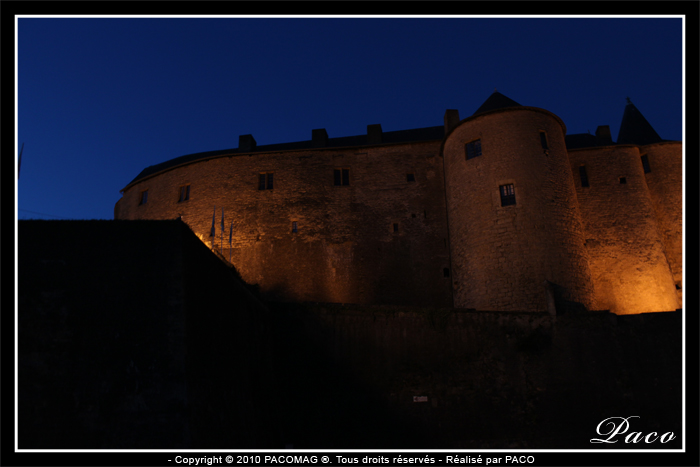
184	193
473	149
507	195
623	180
645	164
294	227
265	182
396	227
543	140
584	176
410	178
341	177
144	197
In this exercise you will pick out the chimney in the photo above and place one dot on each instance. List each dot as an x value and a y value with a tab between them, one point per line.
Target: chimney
246	143
374	134
319	138
603	135
451	119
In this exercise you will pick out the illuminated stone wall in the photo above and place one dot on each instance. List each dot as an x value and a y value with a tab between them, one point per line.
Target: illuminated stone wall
346	249
665	182
502	255
628	262
383	239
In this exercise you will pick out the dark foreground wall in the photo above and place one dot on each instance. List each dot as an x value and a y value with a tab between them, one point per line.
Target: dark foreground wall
133	335
480	379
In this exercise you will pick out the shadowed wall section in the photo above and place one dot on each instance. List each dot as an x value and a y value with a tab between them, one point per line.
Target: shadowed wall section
133	335
463	379
154	343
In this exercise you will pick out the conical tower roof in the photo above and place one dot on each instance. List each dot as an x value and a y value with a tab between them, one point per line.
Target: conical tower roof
496	101
635	129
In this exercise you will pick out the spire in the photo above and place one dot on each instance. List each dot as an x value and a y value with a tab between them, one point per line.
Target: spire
635	129
496	101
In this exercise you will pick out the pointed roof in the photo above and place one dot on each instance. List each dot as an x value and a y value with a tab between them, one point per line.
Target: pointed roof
635	129
496	101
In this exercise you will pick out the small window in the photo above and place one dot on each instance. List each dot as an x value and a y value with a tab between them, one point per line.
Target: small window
294	227
645	164
473	149
396	228
623	180
184	193
543	140
446	272
144	197
584	176
410	178
507	195
341	177
265	181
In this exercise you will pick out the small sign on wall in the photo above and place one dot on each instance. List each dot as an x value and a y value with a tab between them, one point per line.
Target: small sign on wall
420	398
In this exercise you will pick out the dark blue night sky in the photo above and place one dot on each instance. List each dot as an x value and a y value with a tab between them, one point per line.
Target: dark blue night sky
100	99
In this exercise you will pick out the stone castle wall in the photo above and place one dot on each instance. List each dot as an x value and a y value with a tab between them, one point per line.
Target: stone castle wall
665	181
630	270
346	249
383	239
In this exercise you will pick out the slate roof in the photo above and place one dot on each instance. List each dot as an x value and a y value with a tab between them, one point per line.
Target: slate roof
635	129
496	101
433	133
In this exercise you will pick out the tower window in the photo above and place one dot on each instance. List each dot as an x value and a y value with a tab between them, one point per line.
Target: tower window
184	193
341	177
446	272
584	176
645	164
265	181
623	180
144	197
507	195
396	227
294	227
543	140
410	178
473	149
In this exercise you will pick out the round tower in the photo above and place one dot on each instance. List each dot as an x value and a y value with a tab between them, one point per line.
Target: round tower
515	229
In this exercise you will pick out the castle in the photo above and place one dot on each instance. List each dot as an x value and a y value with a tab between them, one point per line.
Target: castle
498	211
